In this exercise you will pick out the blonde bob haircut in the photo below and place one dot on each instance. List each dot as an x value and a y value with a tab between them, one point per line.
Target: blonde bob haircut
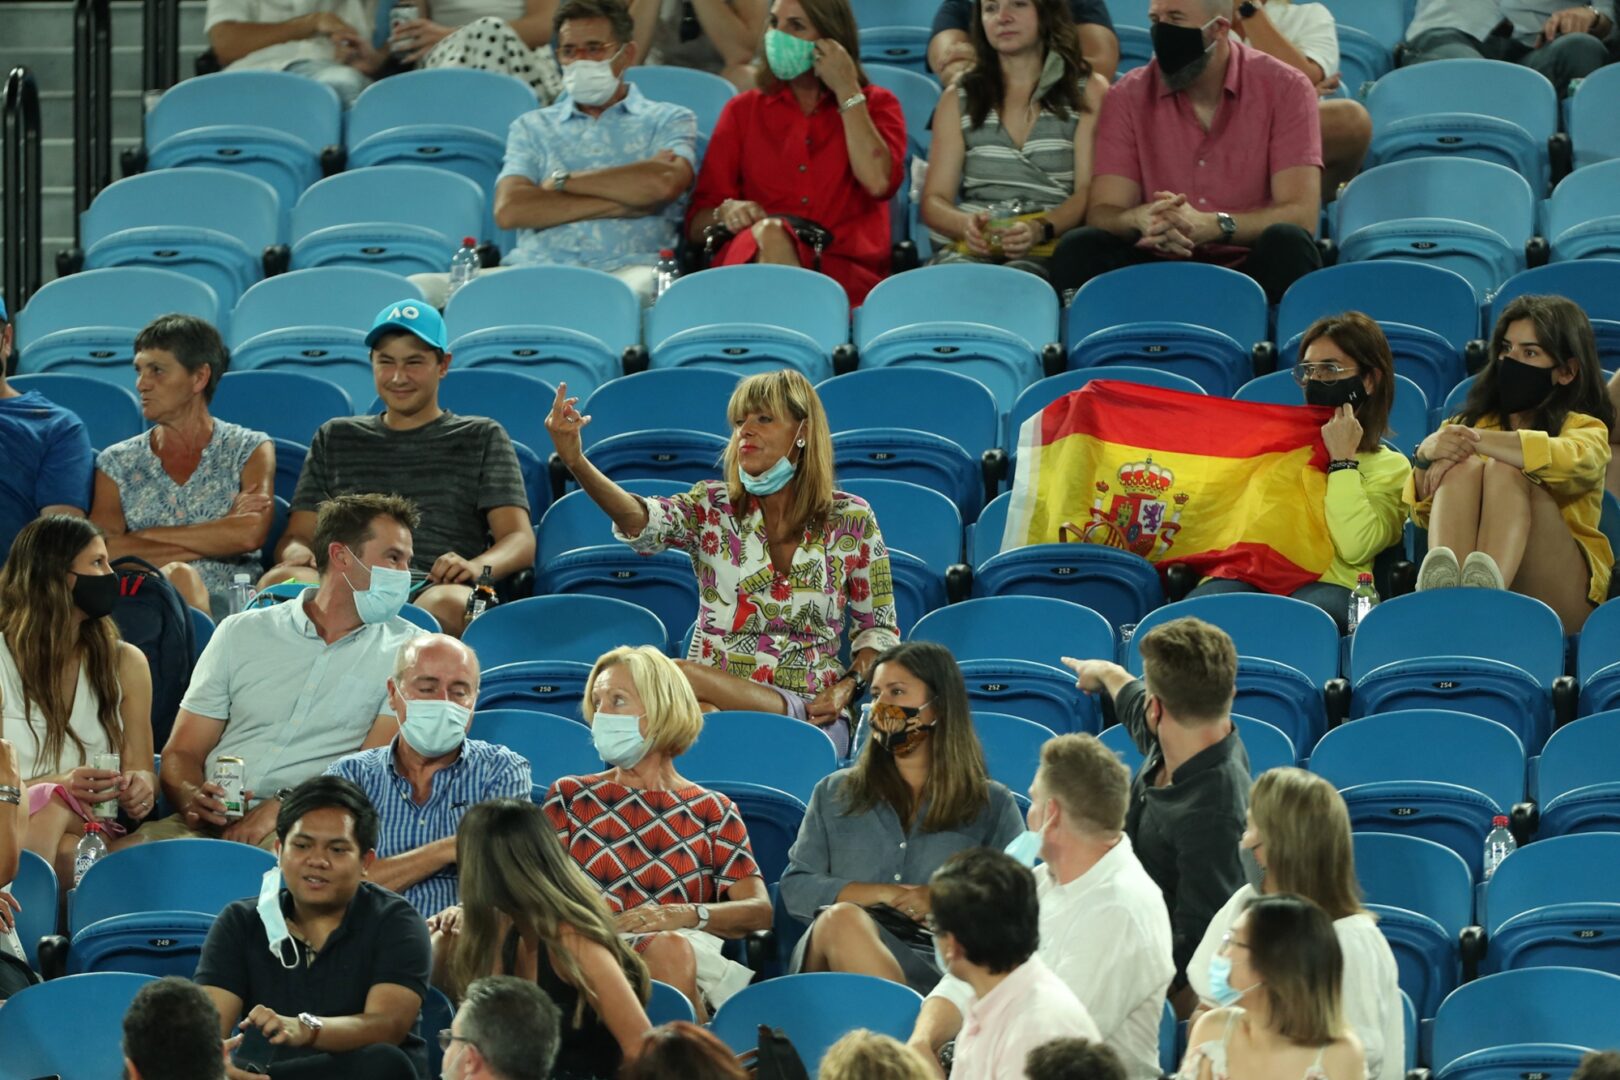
786	394
674	720
1305	829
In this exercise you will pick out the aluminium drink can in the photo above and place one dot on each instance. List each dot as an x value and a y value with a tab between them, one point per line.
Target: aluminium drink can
229	773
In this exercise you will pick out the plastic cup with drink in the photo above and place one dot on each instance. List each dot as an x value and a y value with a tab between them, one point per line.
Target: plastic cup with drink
1003	216
107	809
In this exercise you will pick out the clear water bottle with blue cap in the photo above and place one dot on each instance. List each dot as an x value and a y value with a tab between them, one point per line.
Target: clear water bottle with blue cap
463	264
668	270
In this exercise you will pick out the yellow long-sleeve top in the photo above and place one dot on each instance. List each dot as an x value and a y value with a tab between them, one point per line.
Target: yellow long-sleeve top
1365	512
1570	466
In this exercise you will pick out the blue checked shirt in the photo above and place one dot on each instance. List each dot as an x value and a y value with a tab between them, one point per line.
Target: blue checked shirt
483	771
560	137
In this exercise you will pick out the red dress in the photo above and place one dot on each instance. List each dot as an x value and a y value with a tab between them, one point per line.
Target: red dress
766	150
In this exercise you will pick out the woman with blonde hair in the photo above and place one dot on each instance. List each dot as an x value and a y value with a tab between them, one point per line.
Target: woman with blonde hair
671	858
1298	841
785	562
874	834
868	1055
1276	982
527	910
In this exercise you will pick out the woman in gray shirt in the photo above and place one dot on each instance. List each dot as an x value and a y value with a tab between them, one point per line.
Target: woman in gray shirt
874	833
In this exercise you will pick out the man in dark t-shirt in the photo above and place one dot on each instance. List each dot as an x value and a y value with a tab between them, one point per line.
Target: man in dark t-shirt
324	974
460	471
950	48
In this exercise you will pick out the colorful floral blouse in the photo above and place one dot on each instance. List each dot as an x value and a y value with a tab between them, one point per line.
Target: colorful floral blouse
756	623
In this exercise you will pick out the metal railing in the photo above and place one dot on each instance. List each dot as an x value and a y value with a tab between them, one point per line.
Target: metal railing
92	102
160	30
20	216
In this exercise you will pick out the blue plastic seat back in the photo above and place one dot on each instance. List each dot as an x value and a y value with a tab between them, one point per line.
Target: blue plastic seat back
91	318
1591	109
578	628
1012	748
282	404
772	817
574	521
681	400
158	943
35	890
945	403
701	318
1117	739
436	1015
554	686
419	617
918	95
1369	30
347	297
815	1010
1037	628
1120	586
1432	297
404	218
983	537
1593	283
663	583
1582	869
667	1004
1213	297
1581	214
290	457
1407	627
1040	693
111	413
895	32
1575	786
703	92
1268	745
1421	745
192	875
916	457
1280	628
764	748
553	745
1428	963
45	1031
1554	1014
1418	875
437	98
1600	643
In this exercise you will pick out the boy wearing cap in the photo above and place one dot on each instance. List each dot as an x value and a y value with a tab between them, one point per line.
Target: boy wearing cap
460	471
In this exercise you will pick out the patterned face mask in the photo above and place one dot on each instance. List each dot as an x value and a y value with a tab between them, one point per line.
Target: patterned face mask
894	729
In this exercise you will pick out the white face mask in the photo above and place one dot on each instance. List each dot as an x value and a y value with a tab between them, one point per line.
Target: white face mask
591	82
275	923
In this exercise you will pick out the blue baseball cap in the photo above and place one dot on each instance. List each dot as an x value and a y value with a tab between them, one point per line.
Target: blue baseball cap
412	316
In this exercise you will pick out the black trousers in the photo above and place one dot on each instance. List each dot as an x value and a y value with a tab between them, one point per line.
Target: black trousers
1281	256
367	1063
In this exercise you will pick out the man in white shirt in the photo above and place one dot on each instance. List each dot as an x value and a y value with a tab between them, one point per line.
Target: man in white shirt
986	922
329	42
1104	929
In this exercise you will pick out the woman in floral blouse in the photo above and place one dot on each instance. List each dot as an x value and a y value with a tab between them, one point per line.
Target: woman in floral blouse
784	562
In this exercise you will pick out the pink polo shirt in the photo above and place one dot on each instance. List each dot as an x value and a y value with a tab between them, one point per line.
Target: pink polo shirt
1029	1007
1267	122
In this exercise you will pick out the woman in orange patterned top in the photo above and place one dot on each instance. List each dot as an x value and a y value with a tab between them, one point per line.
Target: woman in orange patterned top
672	858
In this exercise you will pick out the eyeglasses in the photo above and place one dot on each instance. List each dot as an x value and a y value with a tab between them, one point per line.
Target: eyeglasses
591	50
446	1037
1304	373
1230	942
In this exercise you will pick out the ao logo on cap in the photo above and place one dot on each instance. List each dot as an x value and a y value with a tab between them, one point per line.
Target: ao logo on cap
409	311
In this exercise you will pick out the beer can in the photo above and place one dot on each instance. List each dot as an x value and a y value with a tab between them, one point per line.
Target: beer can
229	772
107	762
397	16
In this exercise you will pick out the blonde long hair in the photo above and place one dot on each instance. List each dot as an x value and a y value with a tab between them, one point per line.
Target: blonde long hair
511	864
786	393
1306	829
674	719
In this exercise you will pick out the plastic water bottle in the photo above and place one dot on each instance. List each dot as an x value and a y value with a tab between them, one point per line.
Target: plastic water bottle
92	848
242	593
463	265
1363	598
668	271
483	595
1499	844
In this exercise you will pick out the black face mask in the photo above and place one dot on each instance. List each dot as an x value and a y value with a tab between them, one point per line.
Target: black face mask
1336	392
1176	46
95	594
1520	387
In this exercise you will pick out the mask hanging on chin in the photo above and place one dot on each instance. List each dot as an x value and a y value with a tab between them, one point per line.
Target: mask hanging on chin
770	481
591	82
275	923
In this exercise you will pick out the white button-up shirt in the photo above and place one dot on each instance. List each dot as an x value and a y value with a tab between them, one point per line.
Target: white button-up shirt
1106	937
1029	1007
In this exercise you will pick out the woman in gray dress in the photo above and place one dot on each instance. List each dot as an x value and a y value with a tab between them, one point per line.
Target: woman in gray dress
918	794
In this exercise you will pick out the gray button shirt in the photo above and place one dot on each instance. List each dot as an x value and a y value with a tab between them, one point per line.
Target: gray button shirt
1478	18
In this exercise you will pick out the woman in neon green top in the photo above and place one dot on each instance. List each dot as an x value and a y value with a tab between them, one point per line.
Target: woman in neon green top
1345	363
1513	485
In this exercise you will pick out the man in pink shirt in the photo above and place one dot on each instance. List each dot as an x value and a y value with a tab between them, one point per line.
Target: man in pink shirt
986	923
1211	152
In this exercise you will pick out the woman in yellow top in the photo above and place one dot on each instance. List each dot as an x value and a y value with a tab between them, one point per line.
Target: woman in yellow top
1513	485
1345	364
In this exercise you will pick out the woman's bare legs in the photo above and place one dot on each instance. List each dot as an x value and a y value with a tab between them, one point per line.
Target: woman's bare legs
1504	517
189	584
1553	569
1454	518
845	938
670	959
776	244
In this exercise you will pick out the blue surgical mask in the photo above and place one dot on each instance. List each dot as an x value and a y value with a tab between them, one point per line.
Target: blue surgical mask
618	739
434	726
788	56
1026	846
770	481
275	923
939	958
387	593
1221	990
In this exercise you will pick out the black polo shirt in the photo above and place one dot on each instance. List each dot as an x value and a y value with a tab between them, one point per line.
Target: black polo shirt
1186	833
382	939
957	14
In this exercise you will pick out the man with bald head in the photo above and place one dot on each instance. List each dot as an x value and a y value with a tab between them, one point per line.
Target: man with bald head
427	778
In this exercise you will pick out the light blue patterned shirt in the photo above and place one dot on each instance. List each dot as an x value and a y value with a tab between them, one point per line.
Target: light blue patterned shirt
483	771
561	137
1479	17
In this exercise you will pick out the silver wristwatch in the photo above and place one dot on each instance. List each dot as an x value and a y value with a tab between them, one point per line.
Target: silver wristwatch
313	1023
702	911
559	179
1227	223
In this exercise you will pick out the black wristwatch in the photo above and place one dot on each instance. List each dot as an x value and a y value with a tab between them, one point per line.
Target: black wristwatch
1048	230
1247	9
1418	460
854	673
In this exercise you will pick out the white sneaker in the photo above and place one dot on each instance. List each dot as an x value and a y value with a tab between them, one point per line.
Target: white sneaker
1439	570
1479	571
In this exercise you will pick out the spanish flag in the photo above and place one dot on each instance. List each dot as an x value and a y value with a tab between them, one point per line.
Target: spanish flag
1233	489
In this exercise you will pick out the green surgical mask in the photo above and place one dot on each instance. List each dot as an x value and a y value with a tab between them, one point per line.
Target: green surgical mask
788	56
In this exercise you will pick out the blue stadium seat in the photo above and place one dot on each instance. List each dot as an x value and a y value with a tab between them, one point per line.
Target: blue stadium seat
157	943
1408	415
416	616
1369	30
1117	739
895	31
202	629
923	531
1012	749
762	748
1010	650
85	323
1288	651
1120	585
557	323
1399	660
1537	1022
916	457
209	224
660	425
197	875
437	1014
1592	283
999	321
289	465
270	124
1268	745
448	118
574	522
1135	50
1574	783
575	628
1423	895
1590	117
278	527
35	890
1552	903
1119	318
111	412
747	319
1474	217
815	1010
47	1030
553	745
554	686
944	402
918	94
1473	109
408	219
1049	389
703	92
282	404
773	818
1405	772
667	1004
1597	666
1583	215
315	322
983	537
1429	315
